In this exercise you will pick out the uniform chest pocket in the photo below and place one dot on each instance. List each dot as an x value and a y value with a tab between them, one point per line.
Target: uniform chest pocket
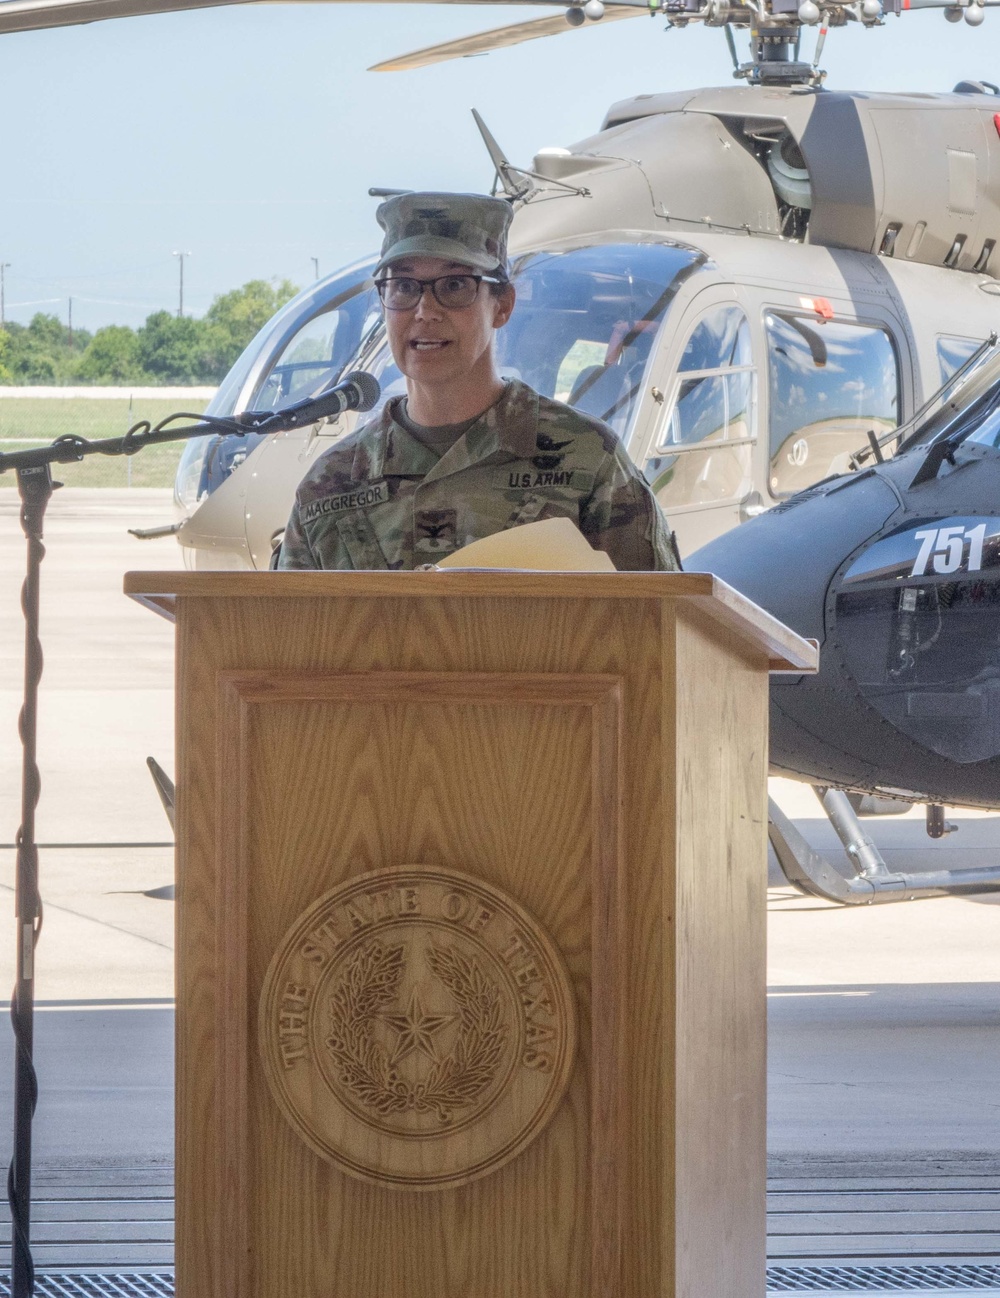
359	539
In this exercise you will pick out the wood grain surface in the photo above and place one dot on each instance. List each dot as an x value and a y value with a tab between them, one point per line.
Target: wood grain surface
602	761
159	591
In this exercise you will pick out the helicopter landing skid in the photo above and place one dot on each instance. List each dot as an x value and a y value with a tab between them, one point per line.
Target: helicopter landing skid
872	881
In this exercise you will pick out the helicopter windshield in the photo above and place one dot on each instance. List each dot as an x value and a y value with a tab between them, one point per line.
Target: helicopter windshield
962	392
304	346
297	353
988	433
584	325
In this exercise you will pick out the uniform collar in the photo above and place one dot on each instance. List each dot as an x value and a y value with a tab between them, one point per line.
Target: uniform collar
507	430
385	447
510	425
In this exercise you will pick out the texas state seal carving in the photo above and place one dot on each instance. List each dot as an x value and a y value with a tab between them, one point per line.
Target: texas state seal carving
417	1027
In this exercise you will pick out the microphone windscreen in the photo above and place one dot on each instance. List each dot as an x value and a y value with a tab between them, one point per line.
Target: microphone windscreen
366	384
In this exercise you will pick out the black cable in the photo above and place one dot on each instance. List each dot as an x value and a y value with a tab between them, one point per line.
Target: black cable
35	485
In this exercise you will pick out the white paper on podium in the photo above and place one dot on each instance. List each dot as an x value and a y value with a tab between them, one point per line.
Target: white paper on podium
553	545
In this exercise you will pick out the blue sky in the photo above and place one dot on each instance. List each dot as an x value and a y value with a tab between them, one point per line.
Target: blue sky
249	135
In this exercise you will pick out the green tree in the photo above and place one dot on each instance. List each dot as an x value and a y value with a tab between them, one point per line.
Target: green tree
6	376
113	356
164	350
172	349
234	318
42	353
33	348
48	331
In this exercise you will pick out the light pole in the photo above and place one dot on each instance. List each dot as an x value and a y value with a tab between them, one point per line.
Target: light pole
315	262
180	298
4	266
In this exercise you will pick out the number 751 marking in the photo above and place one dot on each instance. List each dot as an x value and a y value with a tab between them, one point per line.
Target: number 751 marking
946	545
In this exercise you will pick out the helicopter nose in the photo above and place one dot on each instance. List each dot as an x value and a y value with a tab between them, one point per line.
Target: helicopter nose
785	561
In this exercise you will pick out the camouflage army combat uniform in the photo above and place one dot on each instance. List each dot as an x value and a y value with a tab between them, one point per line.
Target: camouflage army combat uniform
381	499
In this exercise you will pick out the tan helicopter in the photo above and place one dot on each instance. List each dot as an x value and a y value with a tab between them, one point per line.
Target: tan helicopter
745	282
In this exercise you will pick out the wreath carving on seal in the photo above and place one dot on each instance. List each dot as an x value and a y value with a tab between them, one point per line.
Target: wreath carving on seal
365	1068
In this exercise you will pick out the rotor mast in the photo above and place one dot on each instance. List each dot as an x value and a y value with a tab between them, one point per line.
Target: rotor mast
775	28
776	57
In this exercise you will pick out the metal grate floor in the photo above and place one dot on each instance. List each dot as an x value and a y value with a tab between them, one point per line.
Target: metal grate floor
958	1278
97	1286
828	1280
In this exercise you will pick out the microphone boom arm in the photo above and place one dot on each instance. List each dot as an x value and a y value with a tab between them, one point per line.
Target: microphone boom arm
70	447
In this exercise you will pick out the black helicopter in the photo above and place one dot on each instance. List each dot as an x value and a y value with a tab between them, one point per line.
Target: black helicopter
894	567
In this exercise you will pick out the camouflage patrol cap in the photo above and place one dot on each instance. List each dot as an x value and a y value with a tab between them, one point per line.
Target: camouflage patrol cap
470	228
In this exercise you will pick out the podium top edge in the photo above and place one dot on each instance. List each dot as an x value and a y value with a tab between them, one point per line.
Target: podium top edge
786	650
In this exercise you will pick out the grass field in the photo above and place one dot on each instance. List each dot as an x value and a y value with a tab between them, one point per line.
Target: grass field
24	420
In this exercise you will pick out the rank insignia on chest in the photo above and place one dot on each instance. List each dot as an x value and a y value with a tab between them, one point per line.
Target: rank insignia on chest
435	531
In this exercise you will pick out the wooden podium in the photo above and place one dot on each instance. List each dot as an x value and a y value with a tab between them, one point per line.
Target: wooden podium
470	933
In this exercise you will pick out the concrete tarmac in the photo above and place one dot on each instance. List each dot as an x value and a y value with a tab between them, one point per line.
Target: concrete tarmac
884	1042
883	1020
104	978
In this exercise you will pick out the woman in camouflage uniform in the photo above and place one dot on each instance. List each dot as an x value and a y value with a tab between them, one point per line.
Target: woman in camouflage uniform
465	453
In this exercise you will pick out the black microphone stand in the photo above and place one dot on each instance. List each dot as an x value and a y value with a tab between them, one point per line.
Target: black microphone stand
34	480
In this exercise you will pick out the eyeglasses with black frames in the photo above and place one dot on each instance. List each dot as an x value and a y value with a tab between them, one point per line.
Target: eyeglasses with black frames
402	292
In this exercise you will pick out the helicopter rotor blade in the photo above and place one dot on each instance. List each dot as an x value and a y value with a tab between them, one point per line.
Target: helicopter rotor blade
36	15
483	42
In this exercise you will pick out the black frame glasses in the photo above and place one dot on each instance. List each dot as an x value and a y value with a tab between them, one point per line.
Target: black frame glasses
422	284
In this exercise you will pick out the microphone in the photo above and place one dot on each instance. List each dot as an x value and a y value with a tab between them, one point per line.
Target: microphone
356	391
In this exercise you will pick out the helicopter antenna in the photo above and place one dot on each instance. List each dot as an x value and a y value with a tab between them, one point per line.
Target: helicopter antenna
506	174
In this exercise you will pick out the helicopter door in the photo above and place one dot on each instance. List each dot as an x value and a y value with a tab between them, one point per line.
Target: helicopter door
830	382
698	461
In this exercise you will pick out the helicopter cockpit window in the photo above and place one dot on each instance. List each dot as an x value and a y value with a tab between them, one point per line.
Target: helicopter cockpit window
299	351
953	353
965	411
720	341
584	326
317	353
987	434
830	383
701	452
712	402
977	432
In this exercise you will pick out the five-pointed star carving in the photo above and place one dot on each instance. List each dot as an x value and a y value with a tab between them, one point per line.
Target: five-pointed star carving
415	1029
